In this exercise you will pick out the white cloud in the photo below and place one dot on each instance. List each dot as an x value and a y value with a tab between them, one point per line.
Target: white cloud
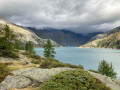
76	15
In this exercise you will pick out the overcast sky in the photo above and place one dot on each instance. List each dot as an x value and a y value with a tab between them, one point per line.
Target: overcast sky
77	15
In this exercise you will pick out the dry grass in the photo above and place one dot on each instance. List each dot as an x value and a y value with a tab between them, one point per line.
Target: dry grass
27	88
31	87
15	65
18	66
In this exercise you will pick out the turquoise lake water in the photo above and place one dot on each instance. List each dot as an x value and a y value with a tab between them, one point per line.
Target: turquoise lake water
88	57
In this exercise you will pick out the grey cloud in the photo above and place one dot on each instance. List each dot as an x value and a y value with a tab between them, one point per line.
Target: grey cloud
77	15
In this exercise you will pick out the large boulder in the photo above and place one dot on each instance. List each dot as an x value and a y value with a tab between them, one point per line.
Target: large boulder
113	83
24	77
11	82
39	74
3	59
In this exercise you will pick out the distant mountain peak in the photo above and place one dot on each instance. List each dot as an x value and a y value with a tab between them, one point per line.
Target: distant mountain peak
24	35
109	39
63	37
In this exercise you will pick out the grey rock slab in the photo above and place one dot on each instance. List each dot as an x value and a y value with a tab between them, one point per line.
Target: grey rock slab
39	74
24	59
11	82
3	59
113	83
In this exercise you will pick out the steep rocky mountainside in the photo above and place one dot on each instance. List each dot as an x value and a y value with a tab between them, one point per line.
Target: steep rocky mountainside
24	34
64	37
110	39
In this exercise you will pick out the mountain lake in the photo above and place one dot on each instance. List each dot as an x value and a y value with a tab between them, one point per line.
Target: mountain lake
89	58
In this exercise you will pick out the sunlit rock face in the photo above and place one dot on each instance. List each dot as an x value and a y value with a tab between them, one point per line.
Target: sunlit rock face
110	39
24	35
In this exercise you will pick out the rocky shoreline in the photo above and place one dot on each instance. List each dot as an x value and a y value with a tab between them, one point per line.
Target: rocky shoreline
95	47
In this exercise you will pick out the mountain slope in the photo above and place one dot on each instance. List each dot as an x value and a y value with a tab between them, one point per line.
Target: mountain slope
23	34
64	37
110	39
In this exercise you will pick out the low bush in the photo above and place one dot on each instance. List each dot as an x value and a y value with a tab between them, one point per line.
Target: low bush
4	71
30	55
55	63
73	80
26	53
36	59
35	62
16	50
13	55
45	64
95	71
106	69
74	66
35	56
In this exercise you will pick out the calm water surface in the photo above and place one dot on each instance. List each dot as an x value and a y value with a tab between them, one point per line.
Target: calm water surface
88	57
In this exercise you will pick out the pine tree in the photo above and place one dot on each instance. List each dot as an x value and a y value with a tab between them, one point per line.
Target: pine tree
9	35
49	50
30	47
7	40
16	45
106	69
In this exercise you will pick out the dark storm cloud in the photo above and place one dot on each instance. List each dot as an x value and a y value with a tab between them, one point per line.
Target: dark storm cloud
76	15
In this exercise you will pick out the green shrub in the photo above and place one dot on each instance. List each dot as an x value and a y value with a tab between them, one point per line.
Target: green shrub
51	63
106	69
55	63
73	80
73	66
52	59
35	56
22	48
80	67
45	64
16	50
35	62
95	71
4	71
13	55
26	53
